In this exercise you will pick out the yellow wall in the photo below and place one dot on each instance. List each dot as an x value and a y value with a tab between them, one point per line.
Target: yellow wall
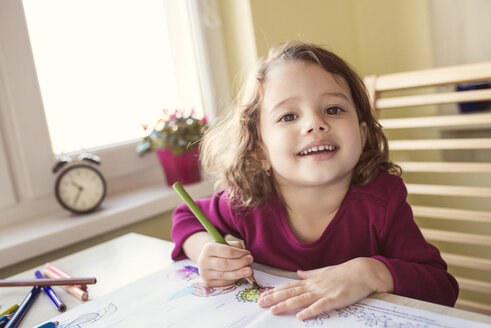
377	36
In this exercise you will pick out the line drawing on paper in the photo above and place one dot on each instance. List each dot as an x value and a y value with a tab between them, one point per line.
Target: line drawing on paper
372	316
317	321
88	318
201	290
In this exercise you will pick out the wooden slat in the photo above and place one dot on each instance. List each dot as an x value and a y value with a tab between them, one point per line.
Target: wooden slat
421	144
433	99
434	76
369	82
473	306
447	167
467	261
474	285
456	237
451	214
475	120
441	190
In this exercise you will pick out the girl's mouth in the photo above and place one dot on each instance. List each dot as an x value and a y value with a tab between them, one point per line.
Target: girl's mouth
317	150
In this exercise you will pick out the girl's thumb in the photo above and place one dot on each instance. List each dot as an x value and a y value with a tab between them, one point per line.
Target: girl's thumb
236	244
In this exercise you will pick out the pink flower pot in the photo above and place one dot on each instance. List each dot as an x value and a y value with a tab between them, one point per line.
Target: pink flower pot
183	168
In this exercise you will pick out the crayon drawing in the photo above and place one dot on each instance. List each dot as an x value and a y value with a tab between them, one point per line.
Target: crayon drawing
187	273
251	294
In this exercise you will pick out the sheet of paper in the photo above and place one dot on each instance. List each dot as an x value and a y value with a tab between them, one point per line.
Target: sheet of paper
176	297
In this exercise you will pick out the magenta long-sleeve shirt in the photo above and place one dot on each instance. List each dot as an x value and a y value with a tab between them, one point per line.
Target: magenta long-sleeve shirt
373	221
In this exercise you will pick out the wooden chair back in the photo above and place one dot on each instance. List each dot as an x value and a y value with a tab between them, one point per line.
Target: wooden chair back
441	138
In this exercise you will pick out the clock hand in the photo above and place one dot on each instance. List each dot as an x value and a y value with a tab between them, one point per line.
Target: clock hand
77	196
75	184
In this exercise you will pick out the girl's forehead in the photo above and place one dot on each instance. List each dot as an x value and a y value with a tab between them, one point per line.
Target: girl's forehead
292	77
298	71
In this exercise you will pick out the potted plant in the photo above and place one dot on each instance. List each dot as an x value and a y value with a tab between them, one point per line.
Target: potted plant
175	138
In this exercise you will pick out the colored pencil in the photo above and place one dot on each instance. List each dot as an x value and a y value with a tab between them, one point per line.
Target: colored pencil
11	309
51	293
48	282
62	274
5	318
23	307
53	324
77	292
205	222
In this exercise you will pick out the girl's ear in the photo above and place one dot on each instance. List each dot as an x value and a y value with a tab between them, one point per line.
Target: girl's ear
261	156
363	133
265	165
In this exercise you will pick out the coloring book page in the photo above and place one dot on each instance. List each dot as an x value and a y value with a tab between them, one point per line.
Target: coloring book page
176	297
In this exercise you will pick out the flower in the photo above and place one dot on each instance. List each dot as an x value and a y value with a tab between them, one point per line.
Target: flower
178	131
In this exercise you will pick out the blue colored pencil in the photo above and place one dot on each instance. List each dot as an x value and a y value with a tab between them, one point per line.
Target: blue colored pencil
51	293
53	324
23	308
4	319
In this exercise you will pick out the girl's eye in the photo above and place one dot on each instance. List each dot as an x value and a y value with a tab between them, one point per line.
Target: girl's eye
333	110
288	117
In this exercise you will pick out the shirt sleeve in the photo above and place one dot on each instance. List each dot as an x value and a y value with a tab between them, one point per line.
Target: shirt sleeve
184	223
417	268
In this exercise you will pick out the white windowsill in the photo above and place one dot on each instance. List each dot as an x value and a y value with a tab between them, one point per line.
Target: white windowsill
25	240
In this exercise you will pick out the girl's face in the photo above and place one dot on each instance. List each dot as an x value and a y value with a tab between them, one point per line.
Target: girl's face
309	126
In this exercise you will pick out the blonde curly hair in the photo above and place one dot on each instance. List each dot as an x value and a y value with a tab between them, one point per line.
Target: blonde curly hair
232	146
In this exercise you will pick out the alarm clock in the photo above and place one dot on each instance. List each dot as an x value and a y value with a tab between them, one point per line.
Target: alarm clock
80	187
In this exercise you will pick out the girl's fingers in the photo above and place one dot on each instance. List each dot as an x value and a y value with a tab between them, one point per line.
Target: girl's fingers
228	264
223	278
222	250
280	294
236	244
321	305
294	303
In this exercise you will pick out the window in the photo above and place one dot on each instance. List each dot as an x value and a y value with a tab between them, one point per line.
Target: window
30	136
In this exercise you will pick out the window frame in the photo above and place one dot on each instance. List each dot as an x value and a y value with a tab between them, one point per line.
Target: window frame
26	156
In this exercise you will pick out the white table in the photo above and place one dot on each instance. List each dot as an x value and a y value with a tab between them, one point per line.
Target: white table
127	258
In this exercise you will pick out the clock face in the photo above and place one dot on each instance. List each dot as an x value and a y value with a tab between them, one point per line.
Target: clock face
80	188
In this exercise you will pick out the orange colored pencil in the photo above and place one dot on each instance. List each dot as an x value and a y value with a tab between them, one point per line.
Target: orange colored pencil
77	292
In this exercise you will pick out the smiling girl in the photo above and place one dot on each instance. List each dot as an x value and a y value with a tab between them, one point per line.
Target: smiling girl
305	181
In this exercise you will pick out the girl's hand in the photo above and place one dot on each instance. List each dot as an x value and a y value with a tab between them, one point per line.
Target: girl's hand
222	265
329	288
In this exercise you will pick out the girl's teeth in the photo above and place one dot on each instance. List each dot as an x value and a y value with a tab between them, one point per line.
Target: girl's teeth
320	148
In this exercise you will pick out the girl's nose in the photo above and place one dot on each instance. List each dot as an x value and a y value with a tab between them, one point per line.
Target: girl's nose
317	127
317	124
